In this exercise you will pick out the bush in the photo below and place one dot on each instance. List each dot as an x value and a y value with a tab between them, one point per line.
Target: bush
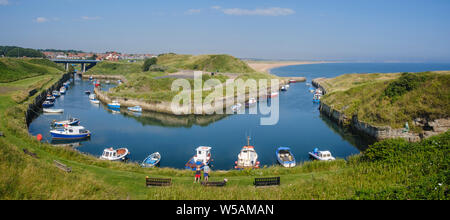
407	82
148	63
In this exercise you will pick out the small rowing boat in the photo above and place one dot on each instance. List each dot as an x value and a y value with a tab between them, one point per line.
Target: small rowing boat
285	157
70	121
62	90
135	109
152	160
56	94
53	111
95	101
48	104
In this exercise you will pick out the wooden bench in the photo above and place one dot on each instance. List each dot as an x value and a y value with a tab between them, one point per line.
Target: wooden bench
216	184
62	166
157	181
270	181
27	152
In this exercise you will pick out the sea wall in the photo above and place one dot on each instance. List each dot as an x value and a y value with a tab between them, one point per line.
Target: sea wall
36	105
430	128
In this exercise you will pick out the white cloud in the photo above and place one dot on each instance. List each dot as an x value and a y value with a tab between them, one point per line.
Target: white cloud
4	2
40	20
87	18
276	11
193	11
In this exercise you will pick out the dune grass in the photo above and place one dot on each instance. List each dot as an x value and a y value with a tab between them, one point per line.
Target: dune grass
12	69
365	96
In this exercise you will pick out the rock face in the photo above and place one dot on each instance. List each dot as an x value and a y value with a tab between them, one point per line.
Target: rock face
430	128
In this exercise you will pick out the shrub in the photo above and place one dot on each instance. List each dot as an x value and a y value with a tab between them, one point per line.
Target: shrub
148	63
407	82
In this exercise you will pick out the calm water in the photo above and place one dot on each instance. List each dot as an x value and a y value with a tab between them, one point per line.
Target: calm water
300	126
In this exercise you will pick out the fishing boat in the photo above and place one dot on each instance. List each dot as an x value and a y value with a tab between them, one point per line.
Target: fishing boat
62	90
114	105
247	158
95	101
70	132
70	121
56	94
251	102
316	98
285	157
202	157
50	98
114	155
236	108
152	160
283	88
87	92
48	104
321	155
53	111
273	94
92	96
135	109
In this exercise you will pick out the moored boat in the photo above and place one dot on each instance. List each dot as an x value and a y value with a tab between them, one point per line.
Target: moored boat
251	102
247	158
92	96
95	101
114	155
316	98
114	105
201	158
152	160
321	155
50	98
53	111
70	132
56	94
283	88
87	92
292	81
70	121
236	108
62	90
135	109
273	95
285	157
48	104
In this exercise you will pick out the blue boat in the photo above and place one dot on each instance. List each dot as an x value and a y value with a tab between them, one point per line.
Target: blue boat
152	160
56	94
285	157
70	121
202	158
316	98
48	104
70	132
50	98
114	105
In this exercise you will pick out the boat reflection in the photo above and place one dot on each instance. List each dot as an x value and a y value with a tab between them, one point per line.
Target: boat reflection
69	143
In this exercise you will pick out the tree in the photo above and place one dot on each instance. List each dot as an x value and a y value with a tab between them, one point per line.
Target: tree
148	63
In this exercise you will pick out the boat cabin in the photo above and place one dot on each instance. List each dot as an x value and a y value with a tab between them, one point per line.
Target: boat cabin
203	154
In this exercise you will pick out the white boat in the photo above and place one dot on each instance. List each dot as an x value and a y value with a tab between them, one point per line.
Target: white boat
201	158
114	155
319	91
107	82
283	88
251	102
53	111
95	101
273	95
62	90
236	108
92	96
114	105
285	157
247	158
321	155
135	109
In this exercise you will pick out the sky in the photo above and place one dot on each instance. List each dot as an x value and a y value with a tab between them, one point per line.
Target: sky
360	30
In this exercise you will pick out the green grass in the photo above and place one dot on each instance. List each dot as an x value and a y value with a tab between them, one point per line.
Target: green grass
12	69
365	96
391	169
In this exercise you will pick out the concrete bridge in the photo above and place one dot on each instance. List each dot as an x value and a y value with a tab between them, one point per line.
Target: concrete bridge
82	62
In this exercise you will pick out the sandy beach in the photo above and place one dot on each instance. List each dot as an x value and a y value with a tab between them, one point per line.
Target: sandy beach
266	66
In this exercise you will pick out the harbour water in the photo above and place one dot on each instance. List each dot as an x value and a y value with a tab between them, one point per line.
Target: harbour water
300	126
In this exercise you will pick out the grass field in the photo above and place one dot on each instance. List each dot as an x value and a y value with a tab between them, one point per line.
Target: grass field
374	99
391	169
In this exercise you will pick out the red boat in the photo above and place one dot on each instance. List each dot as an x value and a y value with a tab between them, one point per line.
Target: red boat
292	81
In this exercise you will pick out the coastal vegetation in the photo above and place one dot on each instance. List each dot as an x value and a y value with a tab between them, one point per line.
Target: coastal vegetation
13	51
390	99
390	169
12	69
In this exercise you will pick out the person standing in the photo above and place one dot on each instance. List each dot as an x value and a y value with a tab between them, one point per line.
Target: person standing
198	174
206	170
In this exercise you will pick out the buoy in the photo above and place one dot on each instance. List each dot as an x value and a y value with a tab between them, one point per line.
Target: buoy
39	137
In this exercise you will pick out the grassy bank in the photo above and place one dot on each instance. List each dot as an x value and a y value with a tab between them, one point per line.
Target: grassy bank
391	169
390	99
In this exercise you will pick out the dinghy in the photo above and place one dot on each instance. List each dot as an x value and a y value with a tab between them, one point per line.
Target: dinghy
285	157
247	158
92	96
53	111
62	90
50	98
87	92
95	101
135	109
203	157
152	160
47	104
114	155
283	88
56	94
251	102
321	155
236	108
70	132
273	95
70	121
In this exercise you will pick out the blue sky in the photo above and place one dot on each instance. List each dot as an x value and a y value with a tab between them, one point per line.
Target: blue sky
375	30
